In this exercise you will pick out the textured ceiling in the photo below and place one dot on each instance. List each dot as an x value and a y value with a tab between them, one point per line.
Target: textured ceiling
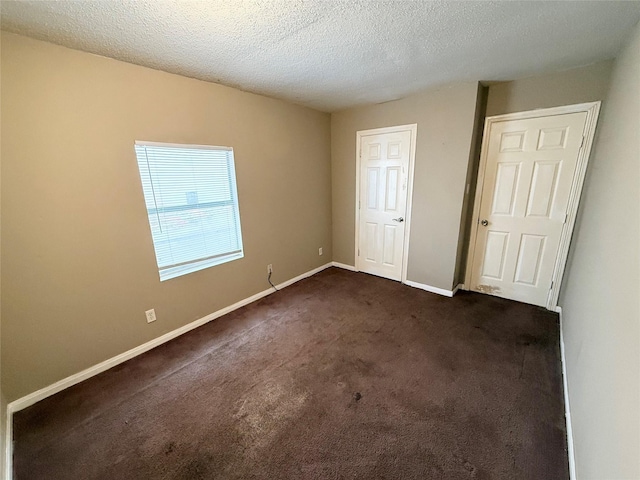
331	55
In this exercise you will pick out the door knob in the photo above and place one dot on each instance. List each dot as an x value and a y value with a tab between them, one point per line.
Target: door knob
399	219
484	223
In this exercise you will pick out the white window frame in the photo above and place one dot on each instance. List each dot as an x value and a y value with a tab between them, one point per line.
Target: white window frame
167	272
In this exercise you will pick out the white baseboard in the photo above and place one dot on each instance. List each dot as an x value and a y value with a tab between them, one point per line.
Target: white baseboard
429	288
567	407
45	392
344	265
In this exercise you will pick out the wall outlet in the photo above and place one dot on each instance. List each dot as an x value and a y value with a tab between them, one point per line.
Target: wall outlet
151	315
269	268
320	251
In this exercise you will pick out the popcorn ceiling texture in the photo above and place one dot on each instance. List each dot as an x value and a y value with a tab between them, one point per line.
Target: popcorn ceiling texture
332	55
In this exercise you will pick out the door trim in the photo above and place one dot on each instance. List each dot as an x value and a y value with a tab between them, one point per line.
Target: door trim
592	109
413	128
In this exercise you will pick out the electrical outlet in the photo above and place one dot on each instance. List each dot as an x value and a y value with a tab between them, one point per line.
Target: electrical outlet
320	251
151	315
269	268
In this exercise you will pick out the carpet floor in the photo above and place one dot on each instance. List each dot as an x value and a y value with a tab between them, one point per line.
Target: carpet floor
340	376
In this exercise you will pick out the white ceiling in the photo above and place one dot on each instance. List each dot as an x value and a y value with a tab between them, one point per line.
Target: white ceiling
332	55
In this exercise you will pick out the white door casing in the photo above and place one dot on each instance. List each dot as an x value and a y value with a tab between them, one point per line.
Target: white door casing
531	173
385	160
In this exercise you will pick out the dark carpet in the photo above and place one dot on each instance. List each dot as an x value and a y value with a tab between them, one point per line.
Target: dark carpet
340	376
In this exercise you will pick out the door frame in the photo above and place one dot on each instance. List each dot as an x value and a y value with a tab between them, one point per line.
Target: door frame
592	109
413	128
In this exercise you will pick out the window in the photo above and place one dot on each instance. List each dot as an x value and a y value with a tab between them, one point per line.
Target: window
192	203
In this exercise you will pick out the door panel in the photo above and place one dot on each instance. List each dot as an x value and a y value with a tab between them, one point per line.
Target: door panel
506	186
494	254
384	165
391	194
530	253
372	188
370	241
388	247
543	189
529	170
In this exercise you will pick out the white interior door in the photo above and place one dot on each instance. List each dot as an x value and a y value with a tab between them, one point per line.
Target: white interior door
528	176
384	175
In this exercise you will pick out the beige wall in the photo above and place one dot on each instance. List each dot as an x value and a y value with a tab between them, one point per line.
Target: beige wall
579	85
472	180
445	119
78	267
599	297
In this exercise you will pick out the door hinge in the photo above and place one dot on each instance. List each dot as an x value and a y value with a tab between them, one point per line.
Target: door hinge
359	204
566	215
551	287
582	141
358	252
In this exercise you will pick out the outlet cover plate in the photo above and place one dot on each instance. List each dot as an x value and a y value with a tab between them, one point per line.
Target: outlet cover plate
151	315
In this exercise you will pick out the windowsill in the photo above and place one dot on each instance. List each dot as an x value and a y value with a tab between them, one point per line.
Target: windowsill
174	272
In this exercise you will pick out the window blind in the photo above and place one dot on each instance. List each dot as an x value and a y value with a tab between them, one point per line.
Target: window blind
192	204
